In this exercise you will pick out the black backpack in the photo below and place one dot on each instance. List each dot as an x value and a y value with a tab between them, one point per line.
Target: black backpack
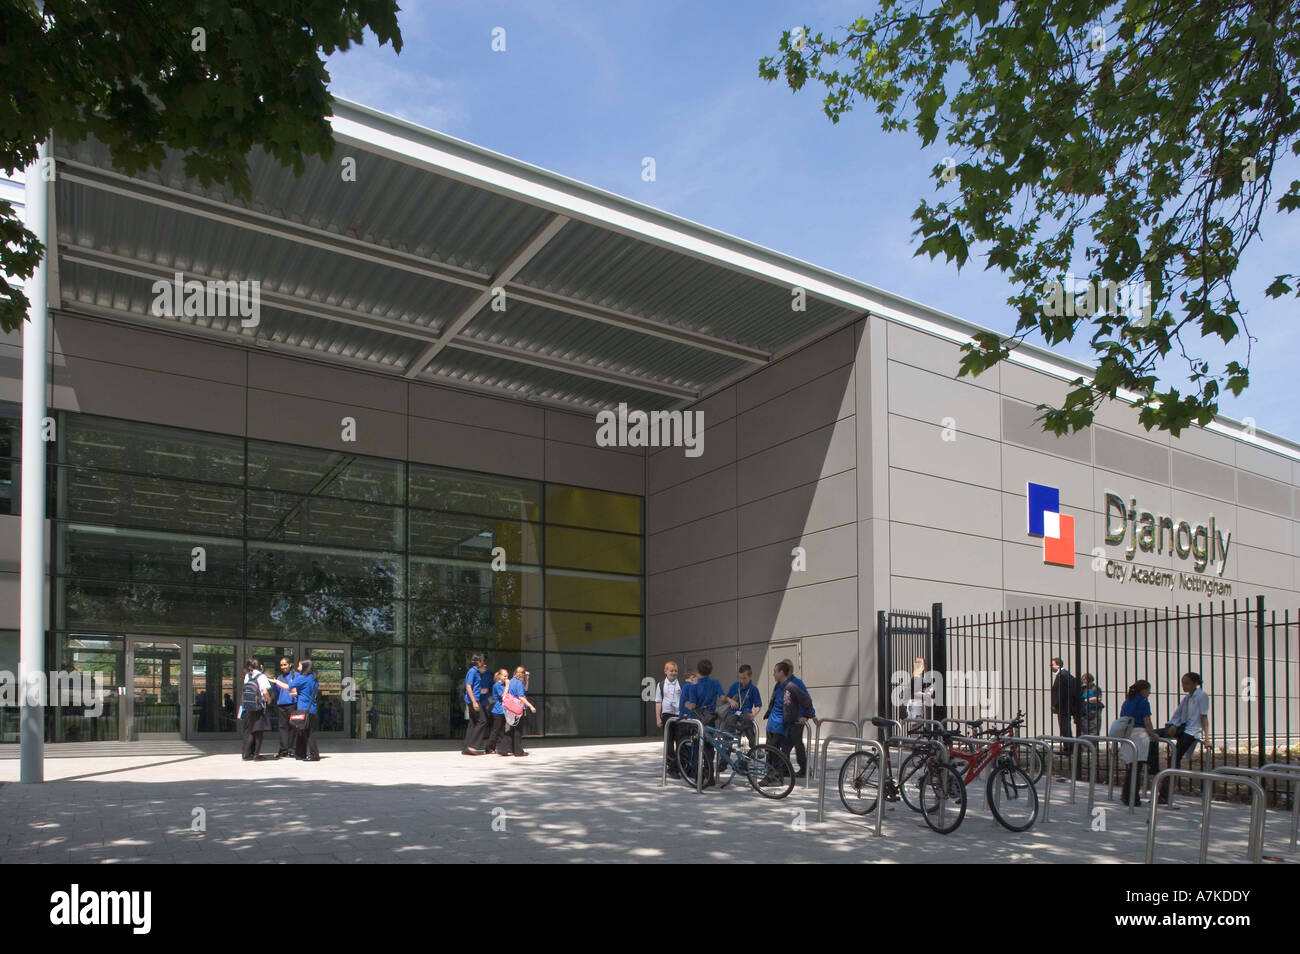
253	699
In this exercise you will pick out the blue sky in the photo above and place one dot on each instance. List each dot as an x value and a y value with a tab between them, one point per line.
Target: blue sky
589	89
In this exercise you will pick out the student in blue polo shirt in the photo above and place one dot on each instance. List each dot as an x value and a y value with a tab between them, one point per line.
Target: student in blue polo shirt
499	679
745	703
784	710
705	696
512	743
476	693
795	732
690	682
285	703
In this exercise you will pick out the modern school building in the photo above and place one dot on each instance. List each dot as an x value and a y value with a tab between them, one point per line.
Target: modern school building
354	418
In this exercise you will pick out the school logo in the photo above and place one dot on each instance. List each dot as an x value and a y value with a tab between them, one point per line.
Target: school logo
1046	520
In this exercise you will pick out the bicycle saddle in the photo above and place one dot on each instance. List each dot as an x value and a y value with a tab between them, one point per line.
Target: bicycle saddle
881	723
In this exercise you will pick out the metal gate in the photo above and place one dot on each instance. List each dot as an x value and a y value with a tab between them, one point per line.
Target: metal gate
906	636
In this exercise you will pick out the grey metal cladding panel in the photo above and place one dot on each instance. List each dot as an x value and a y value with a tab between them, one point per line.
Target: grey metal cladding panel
830	502
700	626
711	493
606	268
475	448
460	407
1263	494
604	469
11	373
803	460
806	364
937	399
292	419
1204	476
808	407
712	581
1131	455
932	353
137	394
579	429
522	381
830	555
670	465
801	611
136	347
831	660
1020	427
313	380
705	539
603	346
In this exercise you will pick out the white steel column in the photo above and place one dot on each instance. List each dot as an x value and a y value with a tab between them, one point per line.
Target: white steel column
31	586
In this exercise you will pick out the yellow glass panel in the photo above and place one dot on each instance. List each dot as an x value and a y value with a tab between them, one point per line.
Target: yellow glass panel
580	507
593	550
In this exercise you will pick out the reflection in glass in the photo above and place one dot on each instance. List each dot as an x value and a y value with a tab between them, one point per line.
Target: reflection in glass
156	690
212	682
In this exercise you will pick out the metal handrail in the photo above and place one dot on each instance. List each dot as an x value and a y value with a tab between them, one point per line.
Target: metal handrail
1256	843
1288	776
699	761
812	767
858	743
1110	774
1076	743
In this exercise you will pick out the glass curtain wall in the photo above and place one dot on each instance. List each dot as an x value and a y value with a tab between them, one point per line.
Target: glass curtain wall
168	532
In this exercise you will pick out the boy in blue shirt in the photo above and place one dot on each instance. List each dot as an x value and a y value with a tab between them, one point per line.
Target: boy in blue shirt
476	703
745	703
705	697
784	710
806	712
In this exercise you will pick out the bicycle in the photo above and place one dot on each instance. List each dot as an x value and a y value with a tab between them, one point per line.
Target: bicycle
769	772
1010	791
940	791
1026	756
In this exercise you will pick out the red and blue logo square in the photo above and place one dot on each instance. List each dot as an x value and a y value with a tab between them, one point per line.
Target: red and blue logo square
1046	520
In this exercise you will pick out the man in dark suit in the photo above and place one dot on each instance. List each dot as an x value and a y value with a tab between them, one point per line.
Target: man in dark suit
1065	700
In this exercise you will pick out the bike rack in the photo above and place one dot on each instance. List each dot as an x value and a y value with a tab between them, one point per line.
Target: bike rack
1077	742
821	776
894	724
1293	777
1256	843
1110	758
812	768
699	762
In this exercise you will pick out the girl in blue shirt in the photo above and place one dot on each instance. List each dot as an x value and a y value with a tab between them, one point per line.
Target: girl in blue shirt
1137	708
305	690
499	679
513	742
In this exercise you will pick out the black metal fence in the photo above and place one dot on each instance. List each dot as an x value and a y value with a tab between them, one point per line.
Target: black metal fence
996	664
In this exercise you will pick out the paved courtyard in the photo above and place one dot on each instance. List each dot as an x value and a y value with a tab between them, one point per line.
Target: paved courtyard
601	801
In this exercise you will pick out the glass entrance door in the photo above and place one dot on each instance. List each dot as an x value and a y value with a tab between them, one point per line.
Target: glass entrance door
214	698
154	690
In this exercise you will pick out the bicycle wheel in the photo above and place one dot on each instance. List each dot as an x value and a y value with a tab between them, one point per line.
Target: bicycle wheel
943	798
1012	797
910	774
688	753
769	771
860	782
1028	758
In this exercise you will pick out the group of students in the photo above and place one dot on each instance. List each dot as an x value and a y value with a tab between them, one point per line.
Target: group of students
495	709
699	696
295	704
1188	726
